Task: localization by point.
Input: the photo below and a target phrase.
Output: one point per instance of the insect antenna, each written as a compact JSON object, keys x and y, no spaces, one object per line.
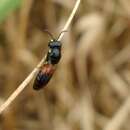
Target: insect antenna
{"x":44,"y":30}
{"x":49,"y":34}
{"x":61,"y":33}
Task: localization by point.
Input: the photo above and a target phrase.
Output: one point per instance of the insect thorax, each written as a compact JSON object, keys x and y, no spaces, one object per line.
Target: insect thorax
{"x":54,"y":53}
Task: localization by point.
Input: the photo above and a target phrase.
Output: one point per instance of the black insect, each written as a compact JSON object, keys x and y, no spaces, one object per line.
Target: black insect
{"x":53,"y":57}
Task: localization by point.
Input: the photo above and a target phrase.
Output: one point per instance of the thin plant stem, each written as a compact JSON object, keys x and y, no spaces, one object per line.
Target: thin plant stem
{"x":70,"y":19}
{"x":32,"y":74}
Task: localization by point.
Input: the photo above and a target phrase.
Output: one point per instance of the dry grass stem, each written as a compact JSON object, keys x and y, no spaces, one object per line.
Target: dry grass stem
{"x":119,"y":86}
{"x":93,"y":27}
{"x":70,"y":19}
{"x":32,"y":74}
{"x":20,"y":87}
{"x":122,"y":114}
{"x":91,"y":85}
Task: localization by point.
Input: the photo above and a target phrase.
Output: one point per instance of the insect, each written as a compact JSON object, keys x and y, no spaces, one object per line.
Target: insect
{"x":47,"y":70}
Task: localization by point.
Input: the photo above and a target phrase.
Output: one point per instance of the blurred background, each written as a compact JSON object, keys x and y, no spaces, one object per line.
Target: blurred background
{"x":90,"y":88}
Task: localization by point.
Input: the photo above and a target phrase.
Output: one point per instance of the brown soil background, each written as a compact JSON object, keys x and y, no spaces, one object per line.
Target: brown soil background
{"x":90,"y":88}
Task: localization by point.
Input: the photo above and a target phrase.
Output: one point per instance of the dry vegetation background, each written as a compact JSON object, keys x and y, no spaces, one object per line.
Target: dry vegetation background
{"x":90,"y":88}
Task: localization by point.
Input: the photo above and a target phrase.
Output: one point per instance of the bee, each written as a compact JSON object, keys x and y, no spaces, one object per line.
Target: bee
{"x":48,"y":68}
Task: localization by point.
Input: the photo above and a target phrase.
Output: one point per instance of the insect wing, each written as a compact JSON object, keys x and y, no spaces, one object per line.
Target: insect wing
{"x":43,"y":77}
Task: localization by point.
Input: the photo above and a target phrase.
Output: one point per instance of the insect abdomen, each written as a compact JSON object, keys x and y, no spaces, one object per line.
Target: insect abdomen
{"x":43,"y":76}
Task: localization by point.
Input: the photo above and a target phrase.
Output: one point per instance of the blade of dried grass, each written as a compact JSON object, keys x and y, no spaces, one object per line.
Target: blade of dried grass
{"x":108,"y":71}
{"x":70,"y":19}
{"x":31,"y":75}
{"x":117,"y":121}
{"x":93,"y":28}
{"x":120,"y":87}
{"x":122,"y":56}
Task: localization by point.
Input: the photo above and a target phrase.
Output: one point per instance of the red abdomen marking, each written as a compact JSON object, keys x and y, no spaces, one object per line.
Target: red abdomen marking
{"x":43,"y":76}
